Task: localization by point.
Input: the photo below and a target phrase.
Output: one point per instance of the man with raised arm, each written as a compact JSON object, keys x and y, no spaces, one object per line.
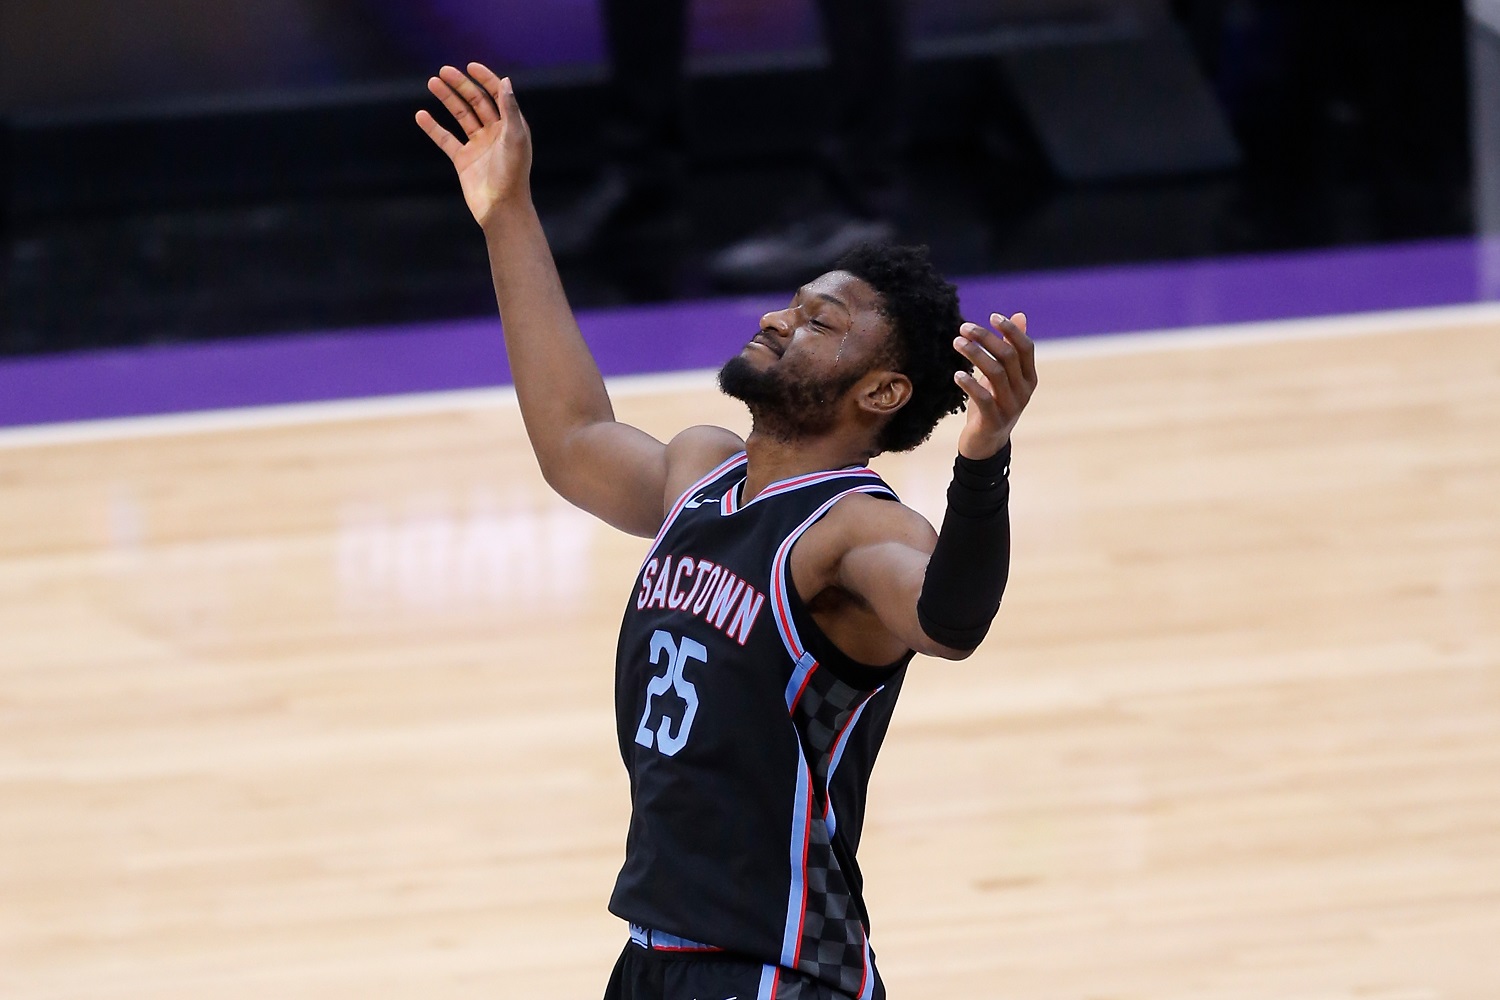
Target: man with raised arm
{"x":769,"y":628}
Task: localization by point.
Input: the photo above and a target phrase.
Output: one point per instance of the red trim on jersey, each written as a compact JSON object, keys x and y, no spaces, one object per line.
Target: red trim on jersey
{"x":783,"y":609}
{"x":853,"y":715}
{"x":864,"y":961}
{"x":687,"y":494}
{"x":812,"y":477}
{"x":798,"y":697}
{"x":780,"y":566}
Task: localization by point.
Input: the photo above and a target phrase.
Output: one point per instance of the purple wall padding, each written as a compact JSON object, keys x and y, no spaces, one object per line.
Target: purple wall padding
{"x":463,"y":354}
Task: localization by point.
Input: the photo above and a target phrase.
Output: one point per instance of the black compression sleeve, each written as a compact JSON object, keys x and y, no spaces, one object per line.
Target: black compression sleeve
{"x":968,"y":569}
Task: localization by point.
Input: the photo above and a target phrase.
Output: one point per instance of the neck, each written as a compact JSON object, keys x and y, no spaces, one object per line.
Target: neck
{"x":770,"y":460}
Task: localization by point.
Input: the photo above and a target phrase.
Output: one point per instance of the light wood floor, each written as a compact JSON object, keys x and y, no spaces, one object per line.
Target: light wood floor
{"x":323,"y":710}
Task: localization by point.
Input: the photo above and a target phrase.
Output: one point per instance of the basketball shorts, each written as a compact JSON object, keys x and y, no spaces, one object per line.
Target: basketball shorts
{"x":681,"y":970}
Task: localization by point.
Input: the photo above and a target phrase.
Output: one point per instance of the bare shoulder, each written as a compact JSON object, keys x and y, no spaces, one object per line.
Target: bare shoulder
{"x":695,"y":452}
{"x":872,"y":530}
{"x":860,"y":521}
{"x":865,"y":519}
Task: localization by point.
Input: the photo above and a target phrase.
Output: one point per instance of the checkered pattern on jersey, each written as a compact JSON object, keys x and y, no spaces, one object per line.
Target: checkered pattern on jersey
{"x":832,"y":948}
{"x":821,"y":714}
{"x":790,"y":986}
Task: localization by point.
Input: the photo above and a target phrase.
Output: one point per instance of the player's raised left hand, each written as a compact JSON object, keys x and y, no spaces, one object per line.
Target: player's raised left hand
{"x":1000,"y":385}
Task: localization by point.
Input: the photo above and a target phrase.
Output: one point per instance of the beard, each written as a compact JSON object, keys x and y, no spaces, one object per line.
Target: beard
{"x":782,"y":407}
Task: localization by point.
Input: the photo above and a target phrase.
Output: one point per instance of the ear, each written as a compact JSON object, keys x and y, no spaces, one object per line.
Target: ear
{"x":884,"y":393}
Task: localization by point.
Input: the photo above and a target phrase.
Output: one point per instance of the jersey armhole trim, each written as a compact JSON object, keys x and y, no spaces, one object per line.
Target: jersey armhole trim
{"x":719,"y":470}
{"x":783,"y":599}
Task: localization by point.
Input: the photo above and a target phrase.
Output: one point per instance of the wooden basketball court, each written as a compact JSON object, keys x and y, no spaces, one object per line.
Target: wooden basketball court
{"x":317,"y":705}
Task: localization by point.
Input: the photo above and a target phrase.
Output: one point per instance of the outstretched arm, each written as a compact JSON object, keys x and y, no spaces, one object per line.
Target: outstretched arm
{"x":610,"y":469}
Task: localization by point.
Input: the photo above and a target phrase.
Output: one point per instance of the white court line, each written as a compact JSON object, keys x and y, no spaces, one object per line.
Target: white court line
{"x":459,"y":400}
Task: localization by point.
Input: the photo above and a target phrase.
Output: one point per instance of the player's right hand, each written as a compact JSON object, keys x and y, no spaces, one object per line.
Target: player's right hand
{"x":494,"y":161}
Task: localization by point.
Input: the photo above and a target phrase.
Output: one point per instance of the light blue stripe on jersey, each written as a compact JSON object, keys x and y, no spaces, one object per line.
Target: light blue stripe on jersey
{"x":661,"y":939}
{"x":780,"y":604}
{"x":799,"y":677}
{"x":648,"y":937}
{"x":792,"y":935}
{"x":869,"y":987}
{"x":682,"y":501}
{"x":838,"y":755}
{"x":767,"y":982}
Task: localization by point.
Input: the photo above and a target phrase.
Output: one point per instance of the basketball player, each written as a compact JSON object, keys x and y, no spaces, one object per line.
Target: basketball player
{"x":786,"y":589}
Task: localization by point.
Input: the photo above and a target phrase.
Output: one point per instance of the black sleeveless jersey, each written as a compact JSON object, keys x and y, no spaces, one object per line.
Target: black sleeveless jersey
{"x":749,"y":738}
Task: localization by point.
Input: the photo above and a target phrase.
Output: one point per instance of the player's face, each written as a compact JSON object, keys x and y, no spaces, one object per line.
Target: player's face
{"x":833,"y":323}
{"x":806,"y":357}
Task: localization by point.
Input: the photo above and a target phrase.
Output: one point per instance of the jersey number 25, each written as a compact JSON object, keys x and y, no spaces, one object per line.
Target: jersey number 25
{"x":676,"y":653}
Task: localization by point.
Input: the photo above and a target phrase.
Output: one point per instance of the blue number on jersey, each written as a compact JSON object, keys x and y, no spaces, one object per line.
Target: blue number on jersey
{"x":677,"y":653}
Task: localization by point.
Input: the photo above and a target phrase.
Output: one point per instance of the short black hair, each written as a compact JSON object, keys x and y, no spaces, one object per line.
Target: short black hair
{"x":922,"y":309}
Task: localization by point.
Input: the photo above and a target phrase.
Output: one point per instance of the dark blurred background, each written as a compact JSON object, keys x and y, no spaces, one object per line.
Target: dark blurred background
{"x":177,"y":171}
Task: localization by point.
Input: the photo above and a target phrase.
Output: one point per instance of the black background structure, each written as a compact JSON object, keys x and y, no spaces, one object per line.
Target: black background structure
{"x":330,"y":210}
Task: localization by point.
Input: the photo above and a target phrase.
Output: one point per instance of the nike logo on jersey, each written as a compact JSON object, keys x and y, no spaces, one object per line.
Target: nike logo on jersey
{"x":702,"y":588}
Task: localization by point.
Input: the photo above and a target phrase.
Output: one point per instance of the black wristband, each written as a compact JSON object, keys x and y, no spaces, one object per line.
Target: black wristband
{"x":980,"y":485}
{"x":983,"y":472}
{"x":967,"y":572}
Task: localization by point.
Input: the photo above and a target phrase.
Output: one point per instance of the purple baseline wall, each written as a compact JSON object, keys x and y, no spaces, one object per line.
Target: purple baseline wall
{"x":348,"y":364}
